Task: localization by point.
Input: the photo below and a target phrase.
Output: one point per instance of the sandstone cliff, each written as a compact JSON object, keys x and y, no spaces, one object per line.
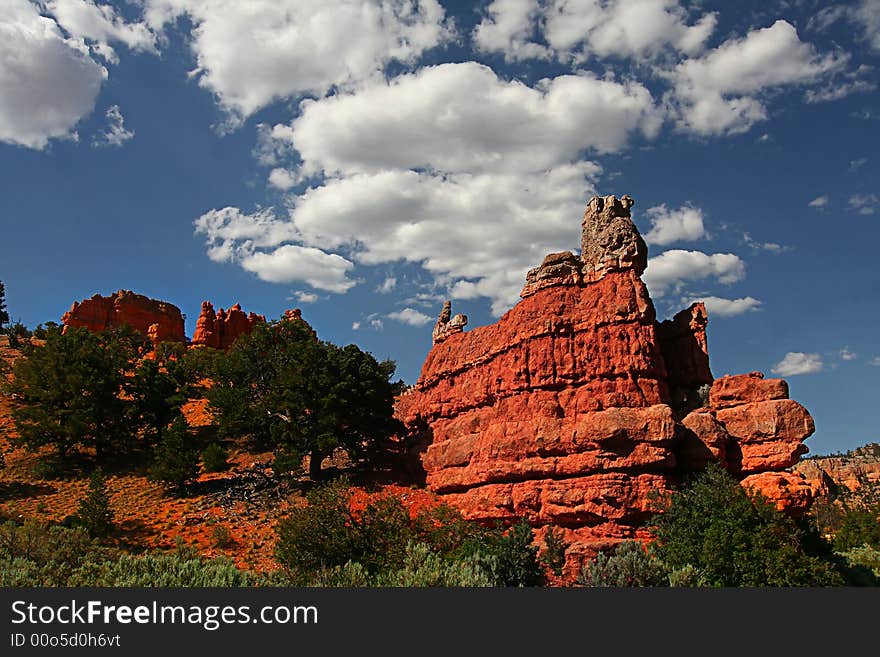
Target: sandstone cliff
{"x":577,"y":407}
{"x":159,"y":320}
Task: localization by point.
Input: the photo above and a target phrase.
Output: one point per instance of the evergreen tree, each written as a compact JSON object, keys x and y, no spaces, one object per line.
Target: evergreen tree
{"x":4,"y":315}
{"x":295,"y":393}
{"x":176,"y":459}
{"x":157,"y":397}
{"x":94,"y":513}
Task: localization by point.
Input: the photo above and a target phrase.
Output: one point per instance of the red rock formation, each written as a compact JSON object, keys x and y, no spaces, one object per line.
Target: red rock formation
{"x":159,"y":320}
{"x":219,"y":330}
{"x":577,"y":407}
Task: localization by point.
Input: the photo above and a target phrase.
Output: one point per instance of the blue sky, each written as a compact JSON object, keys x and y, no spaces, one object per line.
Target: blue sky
{"x":365,"y":160}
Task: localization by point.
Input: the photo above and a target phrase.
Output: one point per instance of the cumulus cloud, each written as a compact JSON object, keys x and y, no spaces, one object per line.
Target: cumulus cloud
{"x":252,"y":53}
{"x":508,"y":27}
{"x":864,"y":204}
{"x":233,"y":236}
{"x":721,"y":307}
{"x":282,"y":179}
{"x":48,"y":82}
{"x":410,"y":316}
{"x":463,"y":117}
{"x":292,"y":263}
{"x":720,"y":92}
{"x":472,"y":177}
{"x":671,"y":269}
{"x":99,"y":26}
{"x":846,"y":354}
{"x":820,"y":202}
{"x":116,"y":134}
{"x":798,"y":362}
{"x":577,"y":30}
{"x":678,"y":225}
{"x":305,"y":297}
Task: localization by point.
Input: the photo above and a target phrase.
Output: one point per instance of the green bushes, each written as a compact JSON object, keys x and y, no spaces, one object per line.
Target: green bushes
{"x":176,"y":459}
{"x":34,"y":554}
{"x":630,"y":564}
{"x":94,"y":513}
{"x":214,"y":458}
{"x":326,"y":543}
{"x":713,"y":525}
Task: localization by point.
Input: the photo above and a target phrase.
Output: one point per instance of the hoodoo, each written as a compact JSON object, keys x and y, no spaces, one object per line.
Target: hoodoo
{"x":219,"y":330}
{"x":159,"y":320}
{"x":578,"y":406}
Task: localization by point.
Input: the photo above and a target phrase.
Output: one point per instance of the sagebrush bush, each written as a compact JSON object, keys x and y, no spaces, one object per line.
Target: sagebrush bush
{"x":321,"y":542}
{"x":162,"y":570}
{"x":630,"y":564}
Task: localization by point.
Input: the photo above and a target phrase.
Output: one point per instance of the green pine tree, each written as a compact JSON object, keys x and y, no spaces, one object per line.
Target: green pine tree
{"x":94,"y":513}
{"x":176,"y":460}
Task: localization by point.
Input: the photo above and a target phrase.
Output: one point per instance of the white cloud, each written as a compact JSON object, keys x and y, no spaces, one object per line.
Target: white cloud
{"x":855,"y":165}
{"x":355,"y":326}
{"x":820,"y":202}
{"x":864,"y":204}
{"x":410,"y":316}
{"x":463,"y":117}
{"x":837,"y":90}
{"x":377,"y":324}
{"x":472,"y":177}
{"x":772,"y":247}
{"x":252,"y":53}
{"x":719,"y":93}
{"x":282,"y":179}
{"x":640,"y":29}
{"x":846,"y":354}
{"x":507,"y":27}
{"x":293,"y":263}
{"x":99,"y":25}
{"x":47,"y":82}
{"x":387,"y":285}
{"x":866,"y":15}
{"x":668,"y":226}
{"x":721,"y":307}
{"x":874,"y":362}
{"x":797,"y":362}
{"x":252,"y":240}
{"x":230,"y":232}
{"x":672,"y":268}
{"x":305,"y":297}
{"x":116,"y":133}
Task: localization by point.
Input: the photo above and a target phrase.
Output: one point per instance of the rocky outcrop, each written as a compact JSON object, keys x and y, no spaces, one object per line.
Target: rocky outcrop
{"x":159,"y":320}
{"x":447,"y":324}
{"x":829,"y":476}
{"x":219,"y":330}
{"x":577,"y":408}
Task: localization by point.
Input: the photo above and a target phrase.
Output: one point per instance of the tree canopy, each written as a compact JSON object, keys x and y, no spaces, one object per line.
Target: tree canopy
{"x":300,"y":395}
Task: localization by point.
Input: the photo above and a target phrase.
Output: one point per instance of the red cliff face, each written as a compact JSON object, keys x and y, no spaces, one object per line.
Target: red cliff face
{"x":159,"y":320}
{"x":219,"y":330}
{"x":577,"y":407}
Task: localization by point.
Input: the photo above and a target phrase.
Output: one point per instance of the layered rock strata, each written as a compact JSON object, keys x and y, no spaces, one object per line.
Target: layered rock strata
{"x":159,"y":320}
{"x":577,"y":408}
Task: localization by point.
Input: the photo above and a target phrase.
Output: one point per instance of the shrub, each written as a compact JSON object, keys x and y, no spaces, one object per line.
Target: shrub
{"x":176,"y":459}
{"x":630,"y":564}
{"x":319,"y":542}
{"x":553,"y":556}
{"x":94,"y":513}
{"x":866,"y":556}
{"x":214,"y":458}
{"x":161,"y":570}
{"x":221,"y":537}
{"x":858,"y":526}
{"x":713,"y":525}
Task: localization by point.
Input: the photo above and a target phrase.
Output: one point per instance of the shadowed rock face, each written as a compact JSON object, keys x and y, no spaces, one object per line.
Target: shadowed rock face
{"x":159,"y":320}
{"x":577,"y":407}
